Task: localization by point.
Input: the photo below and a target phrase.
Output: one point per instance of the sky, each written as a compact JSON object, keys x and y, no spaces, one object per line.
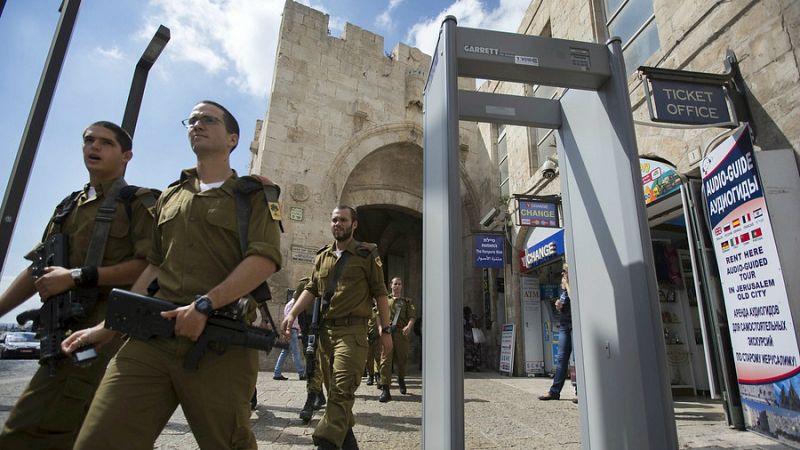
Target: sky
{"x":222,"y":50}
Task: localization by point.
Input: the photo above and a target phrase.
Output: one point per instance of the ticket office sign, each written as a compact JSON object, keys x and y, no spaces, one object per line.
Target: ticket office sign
{"x":760,"y":322}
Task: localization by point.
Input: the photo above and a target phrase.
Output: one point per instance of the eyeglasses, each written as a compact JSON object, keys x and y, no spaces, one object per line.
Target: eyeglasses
{"x":203,"y":119}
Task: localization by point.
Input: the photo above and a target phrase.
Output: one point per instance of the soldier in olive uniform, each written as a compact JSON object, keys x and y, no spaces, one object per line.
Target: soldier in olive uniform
{"x":343,"y":334}
{"x":406,"y":313}
{"x":374,"y":352}
{"x":50,"y":411}
{"x":197,"y":259}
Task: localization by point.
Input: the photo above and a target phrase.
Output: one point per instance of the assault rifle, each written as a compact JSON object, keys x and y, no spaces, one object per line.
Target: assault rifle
{"x":311,"y":336}
{"x":139,"y":316}
{"x":58,"y":312}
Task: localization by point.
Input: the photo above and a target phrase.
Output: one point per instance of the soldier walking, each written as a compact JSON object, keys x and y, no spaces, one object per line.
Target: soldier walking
{"x":51,"y":410}
{"x":347,"y":275}
{"x":403,"y":315}
{"x":200,"y":265}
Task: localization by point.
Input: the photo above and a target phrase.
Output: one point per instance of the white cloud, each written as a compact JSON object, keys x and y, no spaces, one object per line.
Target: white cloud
{"x":384,"y":19}
{"x":113,"y":53}
{"x":470,"y":13}
{"x":236,"y":39}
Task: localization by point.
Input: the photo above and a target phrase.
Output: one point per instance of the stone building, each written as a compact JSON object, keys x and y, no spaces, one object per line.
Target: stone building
{"x":344,"y":126}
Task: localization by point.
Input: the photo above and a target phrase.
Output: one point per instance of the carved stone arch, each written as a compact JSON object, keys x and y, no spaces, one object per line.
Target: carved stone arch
{"x":363,"y":144}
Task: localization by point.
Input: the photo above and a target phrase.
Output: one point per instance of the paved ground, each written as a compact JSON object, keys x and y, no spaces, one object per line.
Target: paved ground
{"x":500,"y":413}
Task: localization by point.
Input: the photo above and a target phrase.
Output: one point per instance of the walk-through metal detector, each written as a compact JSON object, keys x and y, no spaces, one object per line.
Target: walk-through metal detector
{"x":625,"y":402}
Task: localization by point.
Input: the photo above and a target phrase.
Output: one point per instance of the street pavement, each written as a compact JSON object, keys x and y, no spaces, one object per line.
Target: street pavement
{"x":499,"y":413}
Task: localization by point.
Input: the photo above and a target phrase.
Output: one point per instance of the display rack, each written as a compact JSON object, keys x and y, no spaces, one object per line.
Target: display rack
{"x":679,"y":343}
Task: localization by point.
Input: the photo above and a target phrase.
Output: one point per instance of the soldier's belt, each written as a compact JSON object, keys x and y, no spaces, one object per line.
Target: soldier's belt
{"x":345,"y":321}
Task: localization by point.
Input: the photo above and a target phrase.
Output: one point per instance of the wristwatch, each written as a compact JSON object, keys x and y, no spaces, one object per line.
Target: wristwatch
{"x":388,"y":329}
{"x":203,"y":304}
{"x":77,"y":275}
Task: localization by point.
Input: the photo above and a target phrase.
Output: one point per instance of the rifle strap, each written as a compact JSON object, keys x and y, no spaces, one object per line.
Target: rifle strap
{"x":400,"y":303}
{"x":102,"y":224}
{"x":338,"y":268}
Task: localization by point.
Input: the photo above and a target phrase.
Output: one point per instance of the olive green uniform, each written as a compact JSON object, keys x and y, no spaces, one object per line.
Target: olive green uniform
{"x":195,"y":246}
{"x":49,"y":413}
{"x":399,"y":354}
{"x":374,"y":351}
{"x":343,"y":335}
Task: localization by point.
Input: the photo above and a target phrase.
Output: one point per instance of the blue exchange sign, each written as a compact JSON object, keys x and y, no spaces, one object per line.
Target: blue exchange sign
{"x":537,"y":213}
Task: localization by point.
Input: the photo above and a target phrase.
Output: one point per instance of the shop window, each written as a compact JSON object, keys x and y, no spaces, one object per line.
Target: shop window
{"x":634,"y":22}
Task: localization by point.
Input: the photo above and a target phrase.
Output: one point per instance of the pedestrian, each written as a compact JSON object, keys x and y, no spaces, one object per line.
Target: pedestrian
{"x":343,"y":333}
{"x":50,"y":411}
{"x":403,"y":314}
{"x":293,"y":347}
{"x":564,"y":307}
{"x":200,"y":267}
{"x":472,"y":349}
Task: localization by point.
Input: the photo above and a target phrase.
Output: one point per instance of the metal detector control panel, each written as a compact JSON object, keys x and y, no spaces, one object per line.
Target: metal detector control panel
{"x":534,"y":59}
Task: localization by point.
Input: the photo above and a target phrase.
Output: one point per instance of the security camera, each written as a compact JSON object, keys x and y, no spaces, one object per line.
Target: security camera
{"x":548,"y":169}
{"x":489,"y":217}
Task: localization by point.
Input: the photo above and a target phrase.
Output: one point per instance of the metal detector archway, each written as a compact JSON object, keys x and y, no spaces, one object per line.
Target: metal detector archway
{"x":620,"y":355}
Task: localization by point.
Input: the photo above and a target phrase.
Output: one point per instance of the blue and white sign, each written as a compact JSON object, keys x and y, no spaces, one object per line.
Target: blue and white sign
{"x":544,"y":251}
{"x":489,"y":250}
{"x":759,"y":317}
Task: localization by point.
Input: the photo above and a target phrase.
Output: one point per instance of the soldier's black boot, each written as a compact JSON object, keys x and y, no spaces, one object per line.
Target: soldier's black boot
{"x":319,"y":402}
{"x":402,"y":383}
{"x":370,"y":380}
{"x":385,"y":395}
{"x":308,"y":409}
{"x":350,"y":441}
{"x":324,"y":444}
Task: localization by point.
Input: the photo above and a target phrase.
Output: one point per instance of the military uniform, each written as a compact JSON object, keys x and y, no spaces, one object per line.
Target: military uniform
{"x":374,"y":352}
{"x":195,"y":246}
{"x":399,"y":354}
{"x":343,"y":335}
{"x":49,"y":413}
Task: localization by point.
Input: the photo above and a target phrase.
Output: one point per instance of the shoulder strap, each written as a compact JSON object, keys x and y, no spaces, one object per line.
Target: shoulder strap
{"x":102,"y":224}
{"x":146,"y":196}
{"x":398,"y":310}
{"x":62,"y":211}
{"x":338,"y":268}
{"x":244,"y":187}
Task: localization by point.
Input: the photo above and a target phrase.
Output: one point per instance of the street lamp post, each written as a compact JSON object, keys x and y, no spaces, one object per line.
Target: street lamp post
{"x":151,"y":53}
{"x":26,"y":153}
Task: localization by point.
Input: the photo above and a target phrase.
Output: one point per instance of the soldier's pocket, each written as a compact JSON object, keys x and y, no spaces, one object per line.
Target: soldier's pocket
{"x":223,"y":218}
{"x":69,"y":408}
{"x":166,"y":215}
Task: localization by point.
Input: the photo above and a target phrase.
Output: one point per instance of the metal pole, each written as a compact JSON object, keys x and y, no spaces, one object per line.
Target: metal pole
{"x":443,"y":346}
{"x":33,"y":129}
{"x":151,"y":53}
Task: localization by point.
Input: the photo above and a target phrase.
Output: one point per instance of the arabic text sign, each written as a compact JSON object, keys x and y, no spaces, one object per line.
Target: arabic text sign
{"x":489,"y":251}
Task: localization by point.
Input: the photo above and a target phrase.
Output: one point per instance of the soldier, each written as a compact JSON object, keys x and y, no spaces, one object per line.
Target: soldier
{"x":200,"y":266}
{"x":50,"y":411}
{"x":403,"y":317}
{"x":349,"y":274}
